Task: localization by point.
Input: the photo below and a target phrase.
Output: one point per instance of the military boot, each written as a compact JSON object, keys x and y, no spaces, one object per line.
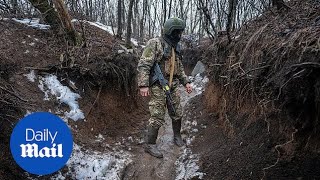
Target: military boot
{"x":151,"y":138}
{"x":176,"y":126}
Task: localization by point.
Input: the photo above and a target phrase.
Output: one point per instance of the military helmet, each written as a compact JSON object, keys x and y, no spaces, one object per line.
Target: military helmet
{"x":172,"y":24}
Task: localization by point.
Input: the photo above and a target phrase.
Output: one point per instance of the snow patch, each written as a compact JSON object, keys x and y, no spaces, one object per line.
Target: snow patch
{"x":134,"y":42}
{"x":199,"y":83}
{"x":63,"y":94}
{"x":186,"y":166}
{"x":100,"y":138}
{"x":102,"y":26}
{"x":95,"y":165}
{"x":34,"y":22}
{"x":31,"y":76}
{"x":108,"y":29}
{"x":41,"y":87}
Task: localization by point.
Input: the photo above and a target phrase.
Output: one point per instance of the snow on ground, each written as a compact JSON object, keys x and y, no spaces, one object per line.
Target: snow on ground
{"x":186,"y":164}
{"x":134,"y":42}
{"x":198,"y":84}
{"x":102,"y":26}
{"x":31,"y":76}
{"x":95,"y":165}
{"x":34,"y":22}
{"x":64,"y":95}
{"x":83,"y":164}
{"x":50,"y":85}
{"x":108,"y":29}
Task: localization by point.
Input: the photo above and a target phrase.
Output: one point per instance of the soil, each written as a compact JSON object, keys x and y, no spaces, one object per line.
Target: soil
{"x":262,"y":121}
{"x":235,"y":138}
{"x":248,"y":151}
{"x":145,"y":166}
{"x":110,"y":111}
{"x":24,"y":48}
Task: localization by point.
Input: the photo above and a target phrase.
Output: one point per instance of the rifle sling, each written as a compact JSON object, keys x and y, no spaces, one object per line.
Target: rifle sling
{"x":172,"y":62}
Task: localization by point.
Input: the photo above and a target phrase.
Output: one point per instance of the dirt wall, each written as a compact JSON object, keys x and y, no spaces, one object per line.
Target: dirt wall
{"x":264,"y":94}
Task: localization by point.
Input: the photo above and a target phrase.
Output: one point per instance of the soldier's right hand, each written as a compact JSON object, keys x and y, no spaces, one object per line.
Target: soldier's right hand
{"x":144,"y":91}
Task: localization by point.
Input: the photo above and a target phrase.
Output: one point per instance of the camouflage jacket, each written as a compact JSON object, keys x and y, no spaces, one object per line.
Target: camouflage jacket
{"x":160,"y":51}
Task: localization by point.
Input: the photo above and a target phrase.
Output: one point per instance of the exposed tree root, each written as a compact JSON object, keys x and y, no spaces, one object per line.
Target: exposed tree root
{"x":277,"y":147}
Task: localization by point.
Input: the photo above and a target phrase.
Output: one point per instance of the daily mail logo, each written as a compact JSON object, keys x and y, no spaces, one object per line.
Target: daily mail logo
{"x":32,"y":150}
{"x":41,"y":143}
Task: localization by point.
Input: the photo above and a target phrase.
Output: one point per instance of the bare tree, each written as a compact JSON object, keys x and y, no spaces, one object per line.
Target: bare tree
{"x":181,"y":8}
{"x":279,"y":4}
{"x":59,"y":19}
{"x":128,"y":35}
{"x":164,"y":9}
{"x":231,"y":17}
{"x":14,"y":9}
{"x":66,"y":23}
{"x":202,"y":16}
{"x":136,"y":20}
{"x":208,"y":19}
{"x":143,"y":20}
{"x":170,"y":6}
{"x":49,"y":14}
{"x":119,"y":31}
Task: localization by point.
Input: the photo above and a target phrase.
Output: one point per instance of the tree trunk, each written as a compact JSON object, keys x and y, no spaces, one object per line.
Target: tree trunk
{"x":49,"y":14}
{"x":128,"y":37}
{"x":123,"y":21}
{"x":119,"y":31}
{"x":231,"y":18}
{"x":87,"y":8}
{"x":279,"y":4}
{"x":58,"y":20}
{"x":143,"y":20}
{"x":170,"y":7}
{"x":14,"y":9}
{"x":181,"y":9}
{"x":135,"y":21}
{"x":208,"y":19}
{"x":66,"y":23}
{"x":103,"y":12}
{"x":164,"y":9}
{"x":149,"y":20}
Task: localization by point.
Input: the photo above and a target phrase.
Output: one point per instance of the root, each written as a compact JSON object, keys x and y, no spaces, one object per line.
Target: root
{"x":253,"y":39}
{"x":13,"y":93}
{"x":279,"y":153}
{"x":95,"y":101}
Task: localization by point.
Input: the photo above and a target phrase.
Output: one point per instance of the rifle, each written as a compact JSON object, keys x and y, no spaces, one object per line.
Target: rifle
{"x":158,"y":76}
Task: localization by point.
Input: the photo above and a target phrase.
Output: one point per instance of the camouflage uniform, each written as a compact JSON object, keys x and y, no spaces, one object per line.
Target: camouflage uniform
{"x":158,"y":50}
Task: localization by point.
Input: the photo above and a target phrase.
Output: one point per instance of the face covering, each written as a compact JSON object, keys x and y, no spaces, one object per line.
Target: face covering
{"x":174,"y":37}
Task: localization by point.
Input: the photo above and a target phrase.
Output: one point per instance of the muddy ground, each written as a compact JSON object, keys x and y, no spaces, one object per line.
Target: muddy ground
{"x":111,"y":113}
{"x":226,"y":142}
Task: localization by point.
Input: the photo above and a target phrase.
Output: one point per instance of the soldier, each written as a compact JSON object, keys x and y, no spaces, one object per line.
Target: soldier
{"x":161,"y":50}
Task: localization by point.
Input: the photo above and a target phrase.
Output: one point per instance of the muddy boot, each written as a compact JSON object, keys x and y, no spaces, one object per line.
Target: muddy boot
{"x":151,"y":138}
{"x":176,"y":126}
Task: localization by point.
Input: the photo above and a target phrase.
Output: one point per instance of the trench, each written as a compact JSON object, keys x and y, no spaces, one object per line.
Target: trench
{"x":177,"y":163}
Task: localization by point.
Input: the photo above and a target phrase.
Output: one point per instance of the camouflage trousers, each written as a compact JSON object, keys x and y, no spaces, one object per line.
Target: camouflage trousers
{"x":157,"y":106}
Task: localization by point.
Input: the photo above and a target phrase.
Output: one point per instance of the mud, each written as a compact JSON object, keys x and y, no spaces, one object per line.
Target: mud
{"x":177,"y":163}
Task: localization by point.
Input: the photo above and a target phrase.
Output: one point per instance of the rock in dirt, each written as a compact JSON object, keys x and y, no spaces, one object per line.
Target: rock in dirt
{"x":198,"y":69}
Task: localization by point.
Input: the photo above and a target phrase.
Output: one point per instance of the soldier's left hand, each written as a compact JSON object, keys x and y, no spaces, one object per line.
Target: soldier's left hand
{"x":188,"y":88}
